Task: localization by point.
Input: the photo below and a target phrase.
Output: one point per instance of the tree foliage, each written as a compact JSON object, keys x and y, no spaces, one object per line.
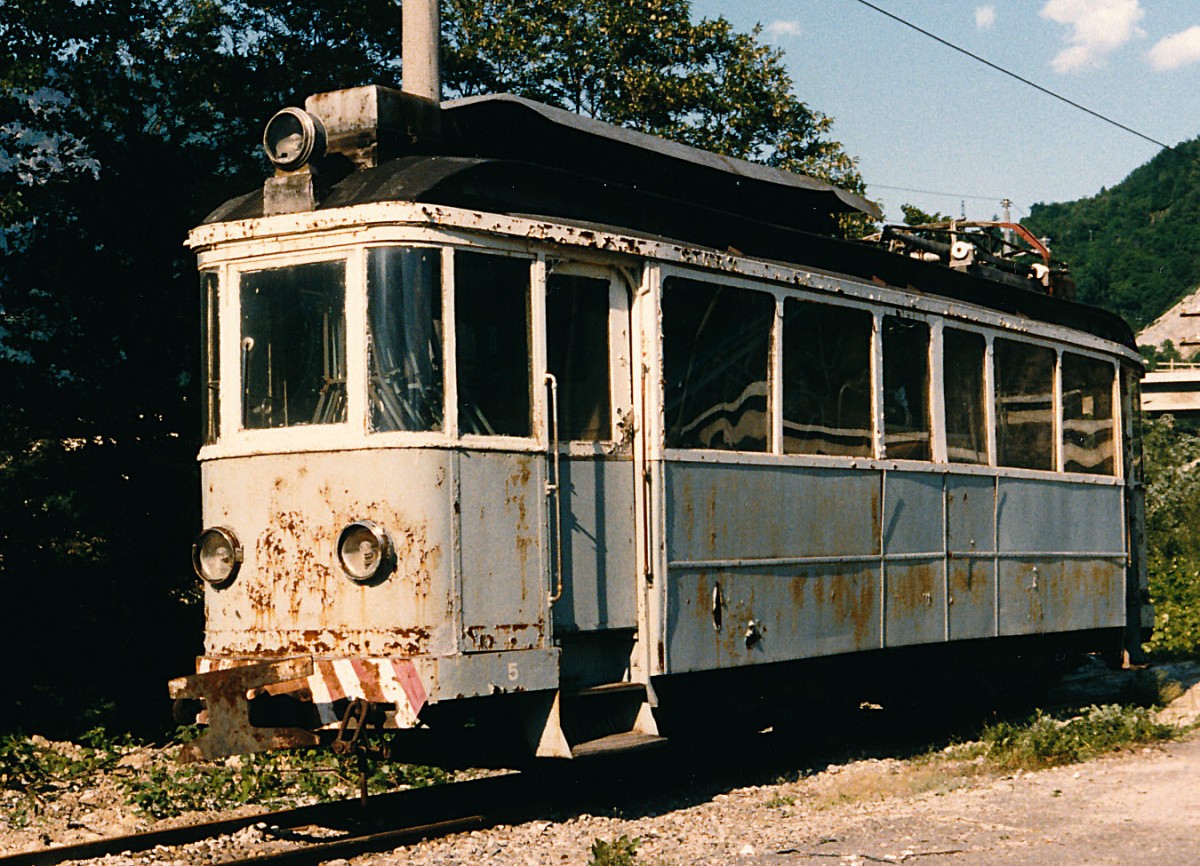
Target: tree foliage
{"x":122,"y":123}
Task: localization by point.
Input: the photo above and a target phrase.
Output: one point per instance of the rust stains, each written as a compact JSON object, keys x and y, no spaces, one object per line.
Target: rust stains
{"x":505,"y":636}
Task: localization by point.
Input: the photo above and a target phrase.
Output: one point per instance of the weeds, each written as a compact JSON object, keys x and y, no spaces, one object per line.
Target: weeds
{"x":1045,"y":741}
{"x":619,"y":852}
{"x":273,"y":779}
{"x":35,"y":768}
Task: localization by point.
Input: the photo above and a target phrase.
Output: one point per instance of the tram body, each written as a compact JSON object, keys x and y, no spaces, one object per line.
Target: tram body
{"x":519,"y":450}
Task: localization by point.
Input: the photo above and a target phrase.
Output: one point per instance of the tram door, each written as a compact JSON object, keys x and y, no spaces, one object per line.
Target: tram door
{"x":588,"y":354}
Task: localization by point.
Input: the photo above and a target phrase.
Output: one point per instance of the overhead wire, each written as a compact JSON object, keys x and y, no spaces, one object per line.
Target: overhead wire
{"x":1026,"y":81}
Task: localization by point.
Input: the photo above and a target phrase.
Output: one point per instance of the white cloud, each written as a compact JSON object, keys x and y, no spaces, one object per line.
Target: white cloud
{"x":1098,"y":27}
{"x":985,"y":17}
{"x":783,"y":29}
{"x":1175,"y":51}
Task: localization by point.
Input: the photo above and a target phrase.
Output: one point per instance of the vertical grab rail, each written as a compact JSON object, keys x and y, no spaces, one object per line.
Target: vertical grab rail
{"x":554,"y":489}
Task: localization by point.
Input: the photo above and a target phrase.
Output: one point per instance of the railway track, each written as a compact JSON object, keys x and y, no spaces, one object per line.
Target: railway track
{"x":345,"y":828}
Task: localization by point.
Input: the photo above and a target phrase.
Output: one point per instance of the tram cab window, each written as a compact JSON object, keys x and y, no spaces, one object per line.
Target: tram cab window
{"x":577,"y":355}
{"x":1024,"y":405}
{"x":210,"y":343}
{"x":1087,"y":401}
{"x":404,"y":346}
{"x":491,"y":323}
{"x":293,"y":346}
{"x":906,"y":389}
{"x":826,"y":379}
{"x":716,"y":345}
{"x":964,"y":355}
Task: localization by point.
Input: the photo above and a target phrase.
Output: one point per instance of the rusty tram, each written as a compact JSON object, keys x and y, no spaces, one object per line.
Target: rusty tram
{"x":529,"y":428}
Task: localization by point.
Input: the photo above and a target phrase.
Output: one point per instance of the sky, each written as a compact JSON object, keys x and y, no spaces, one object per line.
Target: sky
{"x":936,"y":129}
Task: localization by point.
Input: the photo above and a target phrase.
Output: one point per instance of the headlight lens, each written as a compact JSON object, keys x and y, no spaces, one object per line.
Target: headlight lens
{"x":365,"y":551}
{"x":217,"y":555}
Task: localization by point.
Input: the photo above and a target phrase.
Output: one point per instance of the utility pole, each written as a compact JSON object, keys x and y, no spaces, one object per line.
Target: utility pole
{"x":1006,"y":203}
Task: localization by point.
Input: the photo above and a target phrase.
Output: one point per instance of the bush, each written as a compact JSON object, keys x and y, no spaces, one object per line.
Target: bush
{"x":1045,"y":741}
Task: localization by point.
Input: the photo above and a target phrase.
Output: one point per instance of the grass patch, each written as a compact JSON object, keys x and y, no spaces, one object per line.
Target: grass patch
{"x":274,"y":779}
{"x":1045,"y":741}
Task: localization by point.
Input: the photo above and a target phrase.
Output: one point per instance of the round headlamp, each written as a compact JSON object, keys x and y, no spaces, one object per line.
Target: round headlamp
{"x":216,"y":555}
{"x":365,"y":551}
{"x":292,"y":138}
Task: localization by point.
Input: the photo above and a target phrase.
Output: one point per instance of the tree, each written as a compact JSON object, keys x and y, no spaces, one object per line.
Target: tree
{"x":124,"y":123}
{"x":914,"y":216}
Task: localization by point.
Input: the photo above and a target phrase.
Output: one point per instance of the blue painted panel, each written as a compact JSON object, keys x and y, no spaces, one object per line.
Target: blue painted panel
{"x":723,"y":511}
{"x":599,"y":562}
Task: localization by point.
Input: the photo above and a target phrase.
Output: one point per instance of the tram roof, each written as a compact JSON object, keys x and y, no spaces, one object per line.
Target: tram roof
{"x":505,"y":154}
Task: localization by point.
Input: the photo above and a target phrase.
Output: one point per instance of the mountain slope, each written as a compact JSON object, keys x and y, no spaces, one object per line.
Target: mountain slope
{"x":1135,"y":248}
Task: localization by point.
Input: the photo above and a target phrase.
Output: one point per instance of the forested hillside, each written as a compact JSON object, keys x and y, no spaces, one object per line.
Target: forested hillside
{"x":1134,"y":248}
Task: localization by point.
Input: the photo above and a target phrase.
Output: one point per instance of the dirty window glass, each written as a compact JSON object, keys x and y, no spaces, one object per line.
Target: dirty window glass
{"x":963,"y":359}
{"x":210,"y":343}
{"x":577,"y":354}
{"x":293,"y":346}
{"x":404,"y":346}
{"x":906,"y":389}
{"x":826,"y":380}
{"x":1024,"y":405}
{"x":491,"y":321}
{"x":716,"y":343}
{"x":1087,"y":433}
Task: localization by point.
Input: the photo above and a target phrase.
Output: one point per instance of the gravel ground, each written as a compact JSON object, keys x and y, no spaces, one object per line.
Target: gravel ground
{"x":1137,"y":806}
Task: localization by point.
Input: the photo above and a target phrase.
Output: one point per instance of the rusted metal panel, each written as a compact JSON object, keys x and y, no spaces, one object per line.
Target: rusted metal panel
{"x":1037,"y":515}
{"x":771,"y":615}
{"x":224,"y":693}
{"x":504,"y":580}
{"x":971,"y":601}
{"x":915,"y":601}
{"x":914,"y":569}
{"x":290,"y":596}
{"x":729,"y":511}
{"x":599,"y":562}
{"x":913,"y":513}
{"x":970,"y":556}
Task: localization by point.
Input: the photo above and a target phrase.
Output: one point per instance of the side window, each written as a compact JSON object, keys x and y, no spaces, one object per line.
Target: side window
{"x":1087,"y":433}
{"x":577,"y":355}
{"x":826,"y":379}
{"x":906,"y":389}
{"x":491,"y":323}
{"x":210,"y":345}
{"x":963,"y":359}
{"x":404,"y":338}
{"x":1024,"y":405}
{"x":293,"y":346}
{"x":716,"y":347}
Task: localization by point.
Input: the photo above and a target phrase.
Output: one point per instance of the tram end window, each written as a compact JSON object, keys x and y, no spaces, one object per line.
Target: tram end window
{"x":964,"y":356}
{"x":1088,"y":439}
{"x":293,"y":345}
{"x":716,"y":351}
{"x":577,"y":354}
{"x":492,"y":335}
{"x":210,"y":346}
{"x":404,"y":339}
{"x":1024,"y":404}
{"x":906,"y":427}
{"x":827,"y":380}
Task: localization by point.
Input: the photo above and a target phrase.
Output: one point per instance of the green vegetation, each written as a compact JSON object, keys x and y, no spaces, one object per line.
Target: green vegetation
{"x":618,"y":852}
{"x":1172,"y":473}
{"x":274,"y":779}
{"x":1135,"y":248}
{"x":35,"y":772}
{"x":1045,"y":741}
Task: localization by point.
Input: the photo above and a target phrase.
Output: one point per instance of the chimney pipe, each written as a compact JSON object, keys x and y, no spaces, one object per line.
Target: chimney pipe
{"x":421,"y":36}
